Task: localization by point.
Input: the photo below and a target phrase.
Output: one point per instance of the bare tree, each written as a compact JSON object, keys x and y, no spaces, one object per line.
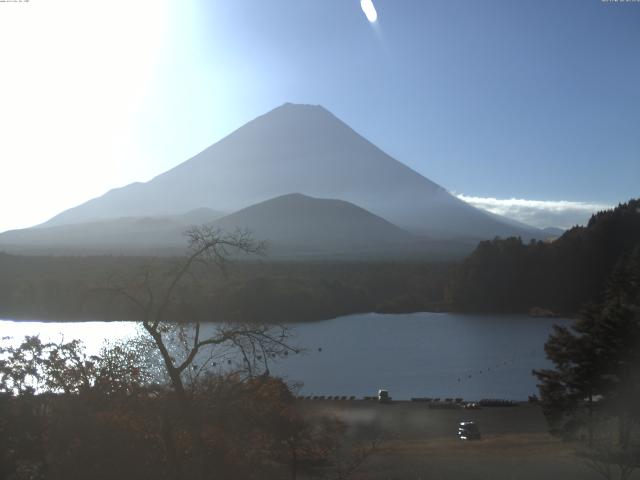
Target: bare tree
{"x":172,"y":323}
{"x":177,"y":329}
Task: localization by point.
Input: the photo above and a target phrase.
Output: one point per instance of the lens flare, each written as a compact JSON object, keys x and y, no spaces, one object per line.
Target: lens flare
{"x":369,"y":10}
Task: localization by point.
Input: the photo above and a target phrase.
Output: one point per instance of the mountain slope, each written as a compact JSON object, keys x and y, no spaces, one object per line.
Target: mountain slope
{"x":298,"y":148}
{"x":119,"y":235}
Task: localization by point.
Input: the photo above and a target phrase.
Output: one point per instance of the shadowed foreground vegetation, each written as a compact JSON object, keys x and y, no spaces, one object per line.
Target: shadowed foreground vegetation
{"x":593,"y":391}
{"x":66,"y":416}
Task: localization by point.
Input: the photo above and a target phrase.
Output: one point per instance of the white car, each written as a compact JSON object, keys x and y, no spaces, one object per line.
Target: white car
{"x":468,"y":431}
{"x":383,"y":396}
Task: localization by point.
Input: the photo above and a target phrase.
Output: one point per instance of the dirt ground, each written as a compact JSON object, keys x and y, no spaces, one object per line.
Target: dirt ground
{"x":418,"y":443}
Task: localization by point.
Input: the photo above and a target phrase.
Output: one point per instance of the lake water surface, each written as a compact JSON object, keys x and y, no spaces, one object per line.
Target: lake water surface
{"x":412,"y":355}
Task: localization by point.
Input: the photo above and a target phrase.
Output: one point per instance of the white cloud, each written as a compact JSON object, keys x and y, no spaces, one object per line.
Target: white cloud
{"x":538,"y":213}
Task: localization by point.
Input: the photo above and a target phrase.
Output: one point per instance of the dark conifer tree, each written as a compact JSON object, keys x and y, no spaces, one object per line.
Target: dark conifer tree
{"x":597,"y":360}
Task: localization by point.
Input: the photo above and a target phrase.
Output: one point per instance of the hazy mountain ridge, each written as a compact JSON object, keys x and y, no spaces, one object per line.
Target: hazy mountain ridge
{"x":118,"y":235}
{"x":293,"y":226}
{"x":306,"y":149}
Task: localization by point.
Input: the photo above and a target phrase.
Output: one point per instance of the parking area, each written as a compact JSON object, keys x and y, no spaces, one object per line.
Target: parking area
{"x":418,"y":442}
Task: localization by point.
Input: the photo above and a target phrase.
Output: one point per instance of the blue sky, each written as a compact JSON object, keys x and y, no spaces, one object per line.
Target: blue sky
{"x":503,"y":102}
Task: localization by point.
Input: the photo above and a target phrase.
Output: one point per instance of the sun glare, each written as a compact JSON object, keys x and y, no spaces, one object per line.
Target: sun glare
{"x":369,"y":10}
{"x":75,"y":75}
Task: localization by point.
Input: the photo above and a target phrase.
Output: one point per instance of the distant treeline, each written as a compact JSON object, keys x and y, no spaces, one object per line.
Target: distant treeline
{"x":78,"y":288}
{"x":507,"y":275}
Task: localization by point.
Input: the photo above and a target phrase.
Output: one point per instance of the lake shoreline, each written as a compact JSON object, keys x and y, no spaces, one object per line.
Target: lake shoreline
{"x":554,"y":315}
{"x":412,"y":355}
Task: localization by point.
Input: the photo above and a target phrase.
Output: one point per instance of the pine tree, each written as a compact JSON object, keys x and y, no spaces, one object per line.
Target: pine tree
{"x":595,"y":385}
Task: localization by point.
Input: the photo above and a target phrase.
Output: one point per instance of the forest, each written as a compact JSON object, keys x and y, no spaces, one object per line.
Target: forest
{"x":508,"y":275}
{"x":76,"y":288}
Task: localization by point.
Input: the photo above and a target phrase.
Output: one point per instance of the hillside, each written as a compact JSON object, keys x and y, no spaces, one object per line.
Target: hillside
{"x":296,"y":224}
{"x":138,"y":235}
{"x":511,"y":276}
